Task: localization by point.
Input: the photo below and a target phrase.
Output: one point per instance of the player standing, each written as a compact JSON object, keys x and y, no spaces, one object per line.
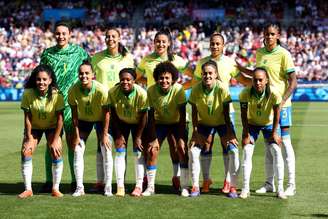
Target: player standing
{"x":280,"y":66}
{"x":107,"y":64}
{"x":163,"y":52}
{"x":227,"y":69}
{"x":43,"y":107}
{"x":167,"y":116}
{"x":260,"y":112}
{"x":88,"y":101}
{"x":129,"y":106}
{"x":210,"y":101}
{"x":64,"y":59}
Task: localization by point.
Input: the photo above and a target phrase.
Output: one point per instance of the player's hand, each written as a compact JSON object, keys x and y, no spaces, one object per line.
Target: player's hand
{"x":56,"y":148}
{"x":246,"y":139}
{"x":105,"y":141}
{"x":75,"y":141}
{"x":233,"y":141}
{"x":275,"y":138}
{"x":153,"y":146}
{"x":182,"y":145}
{"x":138,"y":143}
{"x":120,"y":141}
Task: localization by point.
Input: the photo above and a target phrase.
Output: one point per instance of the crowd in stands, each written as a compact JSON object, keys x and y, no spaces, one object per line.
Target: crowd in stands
{"x":23,"y":34}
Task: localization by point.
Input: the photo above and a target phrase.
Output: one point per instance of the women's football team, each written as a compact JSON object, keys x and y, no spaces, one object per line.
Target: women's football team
{"x":111,"y":97}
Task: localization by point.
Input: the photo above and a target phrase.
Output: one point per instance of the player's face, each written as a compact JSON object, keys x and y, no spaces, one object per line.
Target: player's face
{"x":260,"y":81}
{"x":62,"y":35}
{"x":112,"y":39}
{"x":165,"y":81}
{"x":86,"y":76}
{"x":209,"y":76}
{"x":216,"y":46}
{"x":42,"y":82}
{"x":161,"y":44}
{"x":126,"y":82}
{"x":271,"y":35}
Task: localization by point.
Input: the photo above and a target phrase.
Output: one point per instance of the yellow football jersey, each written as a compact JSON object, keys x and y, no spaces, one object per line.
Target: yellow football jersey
{"x":89,"y":104}
{"x":166,"y":105}
{"x":210,"y":104}
{"x":43,"y":110}
{"x":128,"y":107}
{"x":260,"y":108}
{"x":279,"y":64}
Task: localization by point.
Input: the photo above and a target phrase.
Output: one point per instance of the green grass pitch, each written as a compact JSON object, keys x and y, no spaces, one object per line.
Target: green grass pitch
{"x":310,"y":141}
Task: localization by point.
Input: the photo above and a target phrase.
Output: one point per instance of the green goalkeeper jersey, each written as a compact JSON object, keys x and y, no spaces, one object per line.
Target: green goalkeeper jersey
{"x":65,"y":63}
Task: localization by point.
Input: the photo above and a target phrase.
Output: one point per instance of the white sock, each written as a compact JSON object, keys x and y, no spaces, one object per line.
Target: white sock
{"x":269,"y":165}
{"x":233,"y":164}
{"x":205,"y":163}
{"x":27,"y":170}
{"x":151,"y":175}
{"x":290,"y":158}
{"x":79,"y":163}
{"x":194,"y":165}
{"x":278,"y":164}
{"x":99,"y":166}
{"x":120,"y":166}
{"x":225,"y":157}
{"x":176,"y":169}
{"x":57,"y":171}
{"x":247,"y":165}
{"x":139,"y":167}
{"x":184,"y":178}
{"x":107,"y":166}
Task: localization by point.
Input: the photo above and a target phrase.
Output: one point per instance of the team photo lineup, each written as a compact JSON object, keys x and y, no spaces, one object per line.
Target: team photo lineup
{"x":70,"y":93}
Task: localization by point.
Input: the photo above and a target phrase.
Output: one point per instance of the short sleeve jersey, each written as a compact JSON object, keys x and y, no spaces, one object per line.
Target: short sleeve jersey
{"x":227,"y":69}
{"x":279,"y":64}
{"x":260,"y":108}
{"x":65,"y":63}
{"x":148,"y":64}
{"x":43,"y":110}
{"x":210,"y":104}
{"x":128,"y":107}
{"x":89,"y":103}
{"x":166,"y":105}
{"x":107,"y":67}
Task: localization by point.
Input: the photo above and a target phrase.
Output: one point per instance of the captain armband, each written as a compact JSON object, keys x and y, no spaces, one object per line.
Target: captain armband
{"x":243,"y":105}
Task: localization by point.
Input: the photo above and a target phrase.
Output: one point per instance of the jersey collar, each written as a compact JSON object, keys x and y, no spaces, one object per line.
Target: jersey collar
{"x":112,"y":56}
{"x":164,"y":58}
{"x":87,"y":92}
{"x":161,"y":91}
{"x":274,"y":49}
{"x":256,"y":95}
{"x":131,"y":94}
{"x":37,"y":93}
{"x":211,"y":91}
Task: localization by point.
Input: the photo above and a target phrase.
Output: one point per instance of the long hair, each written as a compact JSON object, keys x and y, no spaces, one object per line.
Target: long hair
{"x":31,"y":82}
{"x":121,"y":49}
{"x":166,"y":32}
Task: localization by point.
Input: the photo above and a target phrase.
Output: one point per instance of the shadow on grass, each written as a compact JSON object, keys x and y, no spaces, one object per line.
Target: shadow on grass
{"x":318,"y":215}
{"x":16,"y":188}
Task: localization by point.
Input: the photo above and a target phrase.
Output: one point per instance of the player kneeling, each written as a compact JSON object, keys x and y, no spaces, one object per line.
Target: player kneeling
{"x":43,"y":107}
{"x":260,"y":112}
{"x":210,"y":114}
{"x":88,"y":101}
